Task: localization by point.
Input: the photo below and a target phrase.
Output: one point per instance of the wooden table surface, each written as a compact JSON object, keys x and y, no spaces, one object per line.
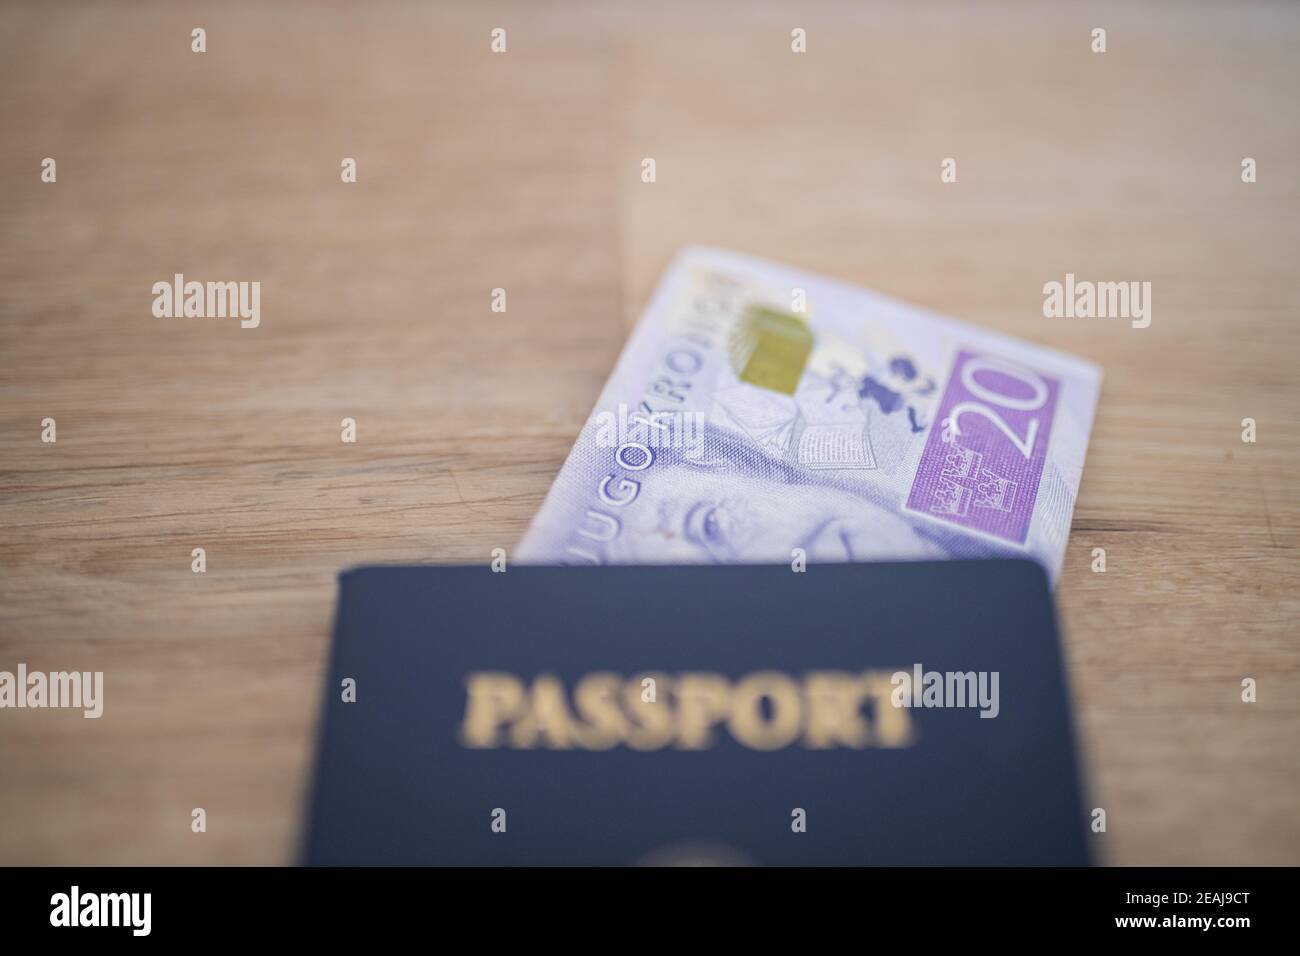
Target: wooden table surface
{"x":522,"y":171}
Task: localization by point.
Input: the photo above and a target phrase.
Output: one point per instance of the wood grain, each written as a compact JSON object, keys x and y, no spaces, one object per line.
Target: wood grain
{"x":522,"y":171}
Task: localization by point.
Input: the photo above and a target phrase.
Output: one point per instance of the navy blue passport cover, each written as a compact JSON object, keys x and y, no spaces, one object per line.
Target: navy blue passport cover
{"x":406,"y":775}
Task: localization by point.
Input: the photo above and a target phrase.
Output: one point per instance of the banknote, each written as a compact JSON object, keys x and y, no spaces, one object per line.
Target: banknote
{"x":760,"y":414}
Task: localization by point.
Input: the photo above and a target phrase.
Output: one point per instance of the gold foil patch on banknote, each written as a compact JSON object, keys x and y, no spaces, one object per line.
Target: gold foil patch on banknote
{"x":770,"y":349}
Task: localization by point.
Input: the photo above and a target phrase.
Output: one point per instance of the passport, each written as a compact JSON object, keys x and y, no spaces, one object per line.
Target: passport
{"x":909,"y":713}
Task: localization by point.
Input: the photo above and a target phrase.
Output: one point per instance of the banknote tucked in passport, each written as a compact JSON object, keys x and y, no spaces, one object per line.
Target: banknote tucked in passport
{"x":763,"y":415}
